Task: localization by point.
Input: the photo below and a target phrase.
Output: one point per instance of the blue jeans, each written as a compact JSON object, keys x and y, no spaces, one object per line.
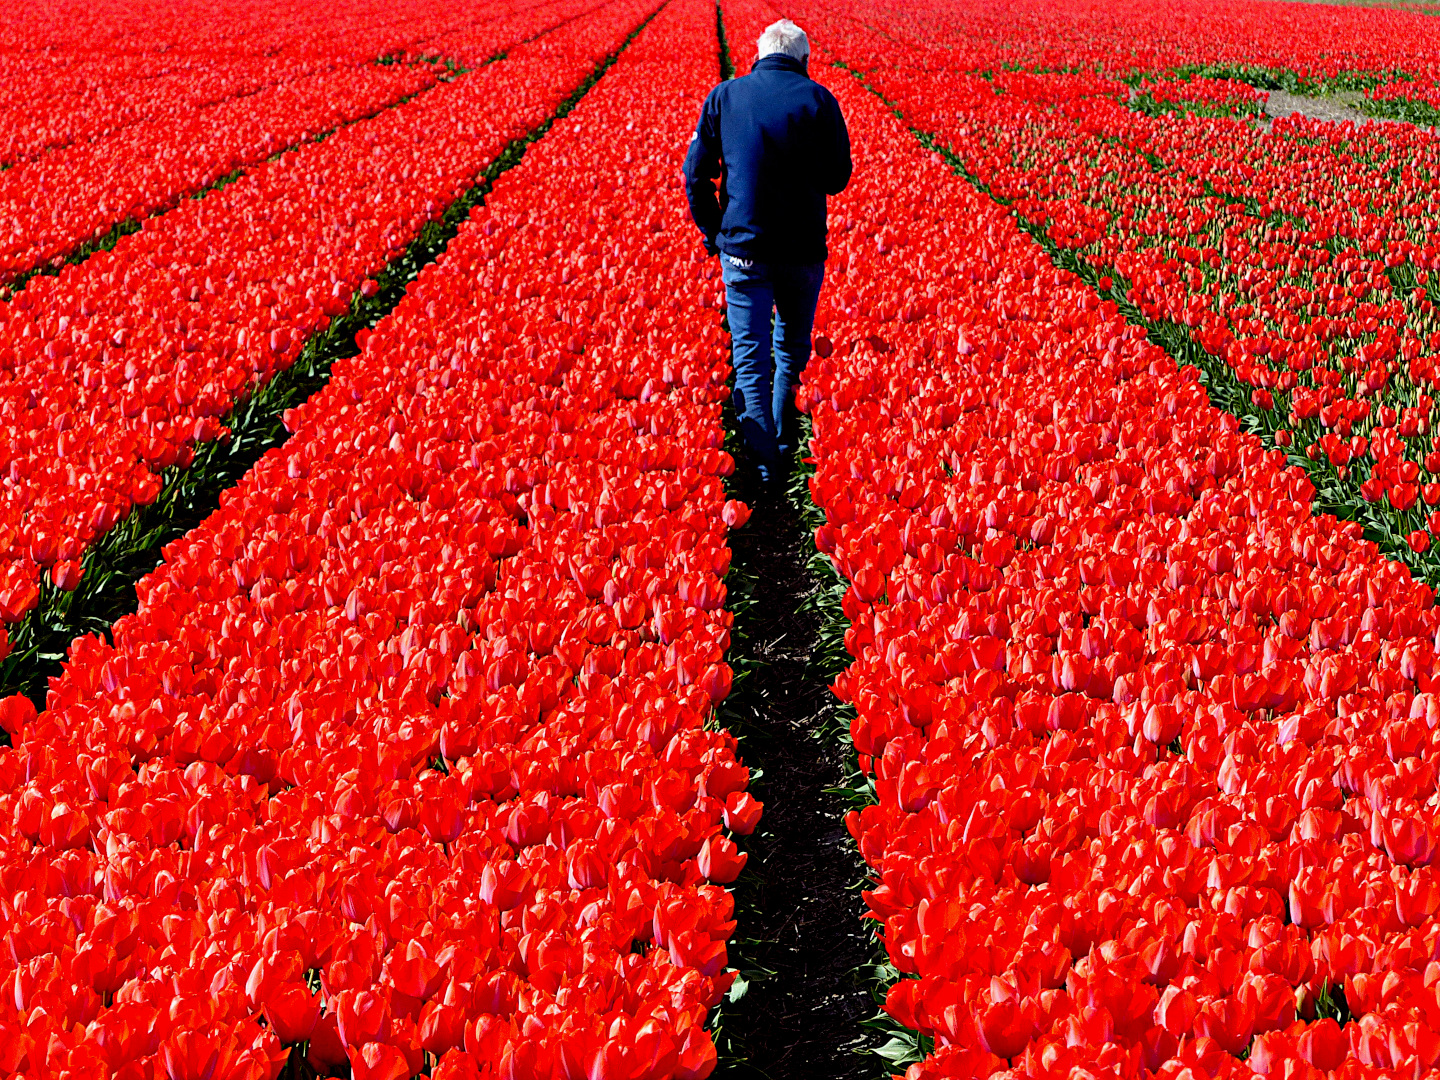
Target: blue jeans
{"x":768,"y":360}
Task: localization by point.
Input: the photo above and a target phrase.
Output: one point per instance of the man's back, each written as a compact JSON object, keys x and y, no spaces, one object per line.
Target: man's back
{"x":783,"y":147}
{"x":777,"y":143}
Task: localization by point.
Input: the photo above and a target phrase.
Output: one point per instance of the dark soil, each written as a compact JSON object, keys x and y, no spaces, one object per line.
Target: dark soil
{"x":801,"y":941}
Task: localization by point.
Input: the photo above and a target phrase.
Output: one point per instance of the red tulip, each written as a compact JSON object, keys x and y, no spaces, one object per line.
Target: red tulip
{"x":697,"y":1055}
{"x":362,"y":1017}
{"x":1228,"y":1021}
{"x":1404,"y":839}
{"x":66,"y":575}
{"x":415,"y":975}
{"x":292,"y":1012}
{"x":503,"y":884}
{"x":190,"y":1055}
{"x":735,"y":513}
{"x":742,"y":812}
{"x":16,"y":711}
{"x":1061,"y":560}
{"x":326,"y":1051}
{"x":720,"y":861}
{"x":459,"y":604}
{"x":587,"y":869}
{"x":269,"y":974}
{"x":716,"y":682}
{"x":442,"y":1028}
{"x":1323,"y":1045}
{"x":1005,"y":1029}
{"x":456,"y":1066}
{"x":379,"y":1061}
{"x":64,"y":827}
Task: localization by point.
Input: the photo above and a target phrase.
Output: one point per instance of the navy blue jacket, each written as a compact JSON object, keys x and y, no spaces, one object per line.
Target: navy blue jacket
{"x":776,"y":141}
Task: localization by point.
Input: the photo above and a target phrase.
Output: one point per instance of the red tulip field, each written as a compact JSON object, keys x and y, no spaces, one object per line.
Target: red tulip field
{"x":398,"y":681}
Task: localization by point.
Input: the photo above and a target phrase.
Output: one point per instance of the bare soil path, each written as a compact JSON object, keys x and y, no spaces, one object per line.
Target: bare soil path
{"x":801,"y":926}
{"x":1336,"y":108}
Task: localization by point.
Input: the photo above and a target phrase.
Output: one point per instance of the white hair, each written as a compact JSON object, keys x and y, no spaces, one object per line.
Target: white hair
{"x":786,"y":38}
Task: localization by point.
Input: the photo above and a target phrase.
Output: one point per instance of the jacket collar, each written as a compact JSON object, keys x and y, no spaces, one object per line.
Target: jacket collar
{"x":779,"y":62}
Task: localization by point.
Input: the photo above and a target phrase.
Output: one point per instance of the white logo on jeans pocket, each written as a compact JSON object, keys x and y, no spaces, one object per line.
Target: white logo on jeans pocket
{"x":744,"y":264}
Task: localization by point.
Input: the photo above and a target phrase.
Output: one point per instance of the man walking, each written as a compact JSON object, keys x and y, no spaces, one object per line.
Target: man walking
{"x":777,"y":143}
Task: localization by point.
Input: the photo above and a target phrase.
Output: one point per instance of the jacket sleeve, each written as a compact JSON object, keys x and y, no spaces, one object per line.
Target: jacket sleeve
{"x":702,"y":169}
{"x":835,"y":174}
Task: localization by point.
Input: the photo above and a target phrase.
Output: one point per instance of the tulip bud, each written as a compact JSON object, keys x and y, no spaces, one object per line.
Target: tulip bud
{"x":587,"y":870}
{"x":1032,"y":862}
{"x":16,"y":711}
{"x":720,"y":861}
{"x":735,"y":513}
{"x":379,"y":1061}
{"x":292,"y":1012}
{"x":742,"y":812}
{"x":1324,"y":1045}
{"x":1176,"y":1010}
{"x":1067,"y":713}
{"x":442,"y":1029}
{"x":66,"y":575}
{"x":1005,"y":1029}
{"x":1162,"y":724}
{"x":716,"y":681}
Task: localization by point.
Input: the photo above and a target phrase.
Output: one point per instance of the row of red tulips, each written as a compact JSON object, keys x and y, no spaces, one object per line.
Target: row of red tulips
{"x":48,"y":107}
{"x":1407,"y":99}
{"x":1318,"y":45}
{"x":404,"y":757}
{"x":121,"y":364}
{"x":477,"y":42}
{"x":111,"y":66}
{"x":1152,"y":743}
{"x":62,"y":199}
{"x":1215,"y":97}
{"x":1310,"y":300}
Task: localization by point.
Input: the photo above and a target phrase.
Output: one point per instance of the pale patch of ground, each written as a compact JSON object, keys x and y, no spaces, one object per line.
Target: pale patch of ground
{"x":1337,"y":107}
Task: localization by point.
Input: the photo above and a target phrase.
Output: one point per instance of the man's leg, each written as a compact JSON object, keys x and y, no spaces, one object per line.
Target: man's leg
{"x":750,"y":298}
{"x":797,"y":290}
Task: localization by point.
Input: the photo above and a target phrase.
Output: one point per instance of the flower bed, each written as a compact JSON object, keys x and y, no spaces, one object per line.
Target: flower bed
{"x":1151,"y":742}
{"x":93,"y":72}
{"x":123,"y":363}
{"x":405,"y":752}
{"x":1248,"y":251}
{"x":61,"y":200}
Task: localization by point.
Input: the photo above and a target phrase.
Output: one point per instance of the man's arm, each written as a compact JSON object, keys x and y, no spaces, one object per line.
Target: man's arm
{"x":835,"y":174}
{"x":702,"y":169}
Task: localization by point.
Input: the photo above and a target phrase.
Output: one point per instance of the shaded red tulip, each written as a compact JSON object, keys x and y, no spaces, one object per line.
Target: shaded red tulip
{"x":1323,"y":1044}
{"x":292,"y":1012}
{"x":378,"y":1061}
{"x":1005,"y":1029}
{"x":194,"y":1055}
